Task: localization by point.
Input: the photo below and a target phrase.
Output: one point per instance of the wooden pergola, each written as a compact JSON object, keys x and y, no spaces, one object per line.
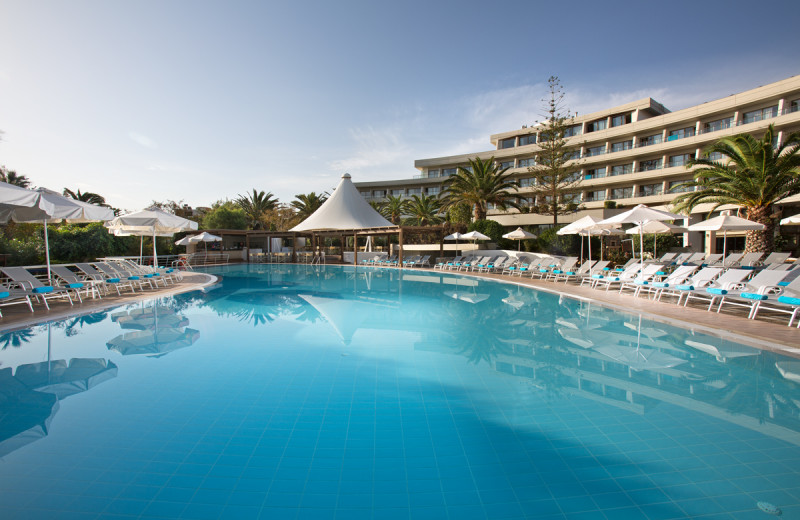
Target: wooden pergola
{"x":401,"y":231}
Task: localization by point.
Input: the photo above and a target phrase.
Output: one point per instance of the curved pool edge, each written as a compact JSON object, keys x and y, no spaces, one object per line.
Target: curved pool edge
{"x":192,"y":281}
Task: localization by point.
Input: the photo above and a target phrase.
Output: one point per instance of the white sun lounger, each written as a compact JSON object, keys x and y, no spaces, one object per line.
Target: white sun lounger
{"x":787,"y":301}
{"x":727,"y":281}
{"x":755,"y":290}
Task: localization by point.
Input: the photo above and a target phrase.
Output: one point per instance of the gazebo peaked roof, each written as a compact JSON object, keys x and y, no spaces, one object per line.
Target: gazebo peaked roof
{"x":344,"y":209}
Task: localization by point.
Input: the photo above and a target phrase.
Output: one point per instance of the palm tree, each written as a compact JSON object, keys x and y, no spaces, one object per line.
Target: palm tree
{"x":255,"y":205}
{"x":394,"y":208}
{"x":753,"y":174}
{"x":307,"y":204}
{"x":88,"y":196}
{"x":424,"y":210}
{"x":483,"y":183}
{"x":11,"y":177}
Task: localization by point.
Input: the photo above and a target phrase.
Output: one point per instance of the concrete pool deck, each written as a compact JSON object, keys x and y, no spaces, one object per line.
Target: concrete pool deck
{"x":769,"y":332}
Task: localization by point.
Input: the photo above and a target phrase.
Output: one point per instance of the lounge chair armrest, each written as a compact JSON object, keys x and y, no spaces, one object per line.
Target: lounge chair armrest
{"x":770,"y":289}
{"x":738,"y":286}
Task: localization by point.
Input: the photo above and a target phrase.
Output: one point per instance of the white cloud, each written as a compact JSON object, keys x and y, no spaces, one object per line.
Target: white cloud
{"x":142,"y":140}
{"x":373,"y":148}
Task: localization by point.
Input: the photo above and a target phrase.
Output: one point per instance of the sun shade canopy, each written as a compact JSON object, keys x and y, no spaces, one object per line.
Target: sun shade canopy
{"x":344,"y":209}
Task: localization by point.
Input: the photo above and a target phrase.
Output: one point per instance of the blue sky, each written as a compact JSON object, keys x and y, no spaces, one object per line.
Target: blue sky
{"x":200,"y":101}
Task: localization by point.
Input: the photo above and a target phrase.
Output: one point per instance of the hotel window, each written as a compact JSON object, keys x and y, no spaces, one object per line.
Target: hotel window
{"x":719,"y":124}
{"x":527,"y":163}
{"x":527,"y":139}
{"x":758,"y":115}
{"x":622,"y":145}
{"x":378,"y":193}
{"x":596,"y":126}
{"x":366,"y":194}
{"x":622,"y":119}
{"x":433,"y":174}
{"x":675,"y":187}
{"x":573,"y":155}
{"x":597,"y":173}
{"x":511,"y":142}
{"x":622,"y":193}
{"x":468,"y":168}
{"x":572,"y":131}
{"x":527,"y":182}
{"x":622,"y":169}
{"x":414,"y":191}
{"x":433,"y":190}
{"x":714,"y":156}
{"x":651,"y":139}
{"x":447,"y":172}
{"x":794,"y":106}
{"x":674,"y":135}
{"x":680,"y":160}
{"x":595,"y":195}
{"x":647,"y":190}
{"x":527,"y":201}
{"x":653,"y":164}
{"x":595,"y":150}
{"x":398,"y":193}
{"x":507,"y":164}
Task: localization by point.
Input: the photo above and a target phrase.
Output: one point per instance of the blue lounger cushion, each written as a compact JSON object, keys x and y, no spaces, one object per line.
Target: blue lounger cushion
{"x":662,"y":285}
{"x":557,"y":271}
{"x":685,"y":287}
{"x":571,"y":273}
{"x":5,"y":294}
{"x":542,"y":270}
{"x":717,"y":291}
{"x":74,"y":285}
{"x":783,"y":284}
{"x":661,"y":273}
{"x":789,"y":299}
{"x":753,"y":296}
{"x":598,"y":276}
{"x":133,"y":278}
{"x":112,"y":280}
{"x":641,"y":282}
{"x":43,"y":290}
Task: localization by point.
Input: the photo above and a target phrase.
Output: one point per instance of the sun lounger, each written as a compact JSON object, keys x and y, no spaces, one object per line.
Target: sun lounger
{"x":496,"y":265}
{"x":567,"y":265}
{"x":695,"y":259}
{"x":711,"y":259}
{"x":73,"y":281}
{"x":12,"y":296}
{"x":113,"y":281}
{"x":26,"y":281}
{"x":701,"y":279}
{"x":545,"y":266}
{"x":678,"y":276}
{"x":775,"y":258}
{"x":606,"y":281}
{"x":597,"y":271}
{"x":111,"y":270}
{"x":667,"y":258}
{"x":724,"y":283}
{"x":517,"y":267}
{"x":750,"y":260}
{"x":731,"y":260}
{"x":630,"y":262}
{"x":754,"y":290}
{"x":139,"y":270}
{"x":568,"y":275}
{"x":446,"y":263}
{"x":786,"y":301}
{"x":643,"y":277}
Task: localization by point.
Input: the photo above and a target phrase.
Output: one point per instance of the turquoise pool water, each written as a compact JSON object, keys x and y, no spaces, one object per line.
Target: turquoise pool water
{"x":300,"y":392}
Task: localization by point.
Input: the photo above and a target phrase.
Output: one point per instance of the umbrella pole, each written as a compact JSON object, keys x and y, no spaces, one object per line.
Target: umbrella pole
{"x":155,"y":255}
{"x":141,"y":248}
{"x":724,"y":246}
{"x":655,"y":253}
{"x":641,"y":244}
{"x":47,"y":251}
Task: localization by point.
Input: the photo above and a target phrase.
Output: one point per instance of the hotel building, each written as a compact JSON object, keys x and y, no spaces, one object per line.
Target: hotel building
{"x":630,"y":154}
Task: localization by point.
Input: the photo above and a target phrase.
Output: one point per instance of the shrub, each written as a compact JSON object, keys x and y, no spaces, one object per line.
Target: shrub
{"x":551,"y":242}
{"x":493,"y":230}
{"x":610,"y":204}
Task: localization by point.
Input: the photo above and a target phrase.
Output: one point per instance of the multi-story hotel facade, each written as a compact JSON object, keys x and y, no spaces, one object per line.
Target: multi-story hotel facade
{"x":630,"y":154}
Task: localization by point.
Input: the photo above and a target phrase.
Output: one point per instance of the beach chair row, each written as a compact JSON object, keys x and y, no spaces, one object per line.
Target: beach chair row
{"x":22,"y":287}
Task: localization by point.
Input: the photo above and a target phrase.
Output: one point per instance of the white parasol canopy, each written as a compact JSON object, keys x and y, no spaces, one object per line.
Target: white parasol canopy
{"x":56,"y":208}
{"x":475,"y":235}
{"x":641,"y":215}
{"x":655,"y":227}
{"x":152,"y":221}
{"x":794,"y":219}
{"x":22,"y":203}
{"x":726,"y":223}
{"x":519,"y":235}
{"x":344,"y":209}
{"x":588,"y":226}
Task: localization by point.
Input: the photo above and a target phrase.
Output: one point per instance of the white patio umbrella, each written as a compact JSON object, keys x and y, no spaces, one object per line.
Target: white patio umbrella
{"x":654,"y":227}
{"x":641,"y":215}
{"x":27,"y":204}
{"x":726,"y":223}
{"x":184,"y":241}
{"x":788,"y":221}
{"x":141,"y":234}
{"x":455,"y":236}
{"x":519,"y":235}
{"x":205,"y":238}
{"x":152,"y":221}
{"x":56,"y":208}
{"x":586,"y":226}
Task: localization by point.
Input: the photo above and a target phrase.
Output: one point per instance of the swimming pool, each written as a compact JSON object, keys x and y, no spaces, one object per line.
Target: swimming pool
{"x":334,"y":392}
